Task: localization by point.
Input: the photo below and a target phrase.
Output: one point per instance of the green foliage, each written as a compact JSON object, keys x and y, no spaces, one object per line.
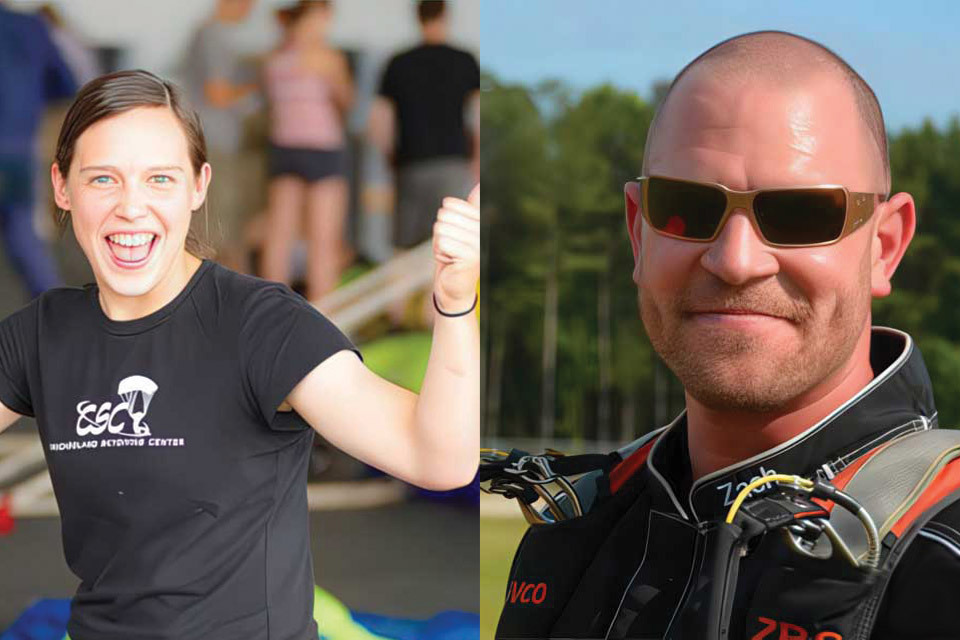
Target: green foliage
{"x":553,"y":165}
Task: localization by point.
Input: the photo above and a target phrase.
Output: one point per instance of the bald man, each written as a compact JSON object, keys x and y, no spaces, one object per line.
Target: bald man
{"x":761,"y":229}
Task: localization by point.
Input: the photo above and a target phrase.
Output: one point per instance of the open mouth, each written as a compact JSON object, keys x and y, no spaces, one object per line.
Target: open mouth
{"x":131,"y":250}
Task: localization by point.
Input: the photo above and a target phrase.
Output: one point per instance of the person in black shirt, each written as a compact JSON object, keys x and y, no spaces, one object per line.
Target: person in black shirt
{"x":418,"y":121}
{"x":177,"y":400}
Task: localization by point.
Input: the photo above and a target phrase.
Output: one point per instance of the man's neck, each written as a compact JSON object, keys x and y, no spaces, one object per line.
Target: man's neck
{"x":434,"y":32}
{"x":717,"y":439}
{"x":225,"y":15}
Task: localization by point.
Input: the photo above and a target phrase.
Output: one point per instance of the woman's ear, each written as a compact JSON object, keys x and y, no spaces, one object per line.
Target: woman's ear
{"x":202,"y":183}
{"x":894,"y":230}
{"x":60,"y":194}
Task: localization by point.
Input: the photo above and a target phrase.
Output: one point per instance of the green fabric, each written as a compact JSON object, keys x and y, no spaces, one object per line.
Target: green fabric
{"x":333,"y":619}
{"x":400,"y":358}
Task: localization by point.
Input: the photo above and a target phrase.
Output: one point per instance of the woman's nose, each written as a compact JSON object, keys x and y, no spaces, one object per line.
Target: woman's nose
{"x":133,"y":205}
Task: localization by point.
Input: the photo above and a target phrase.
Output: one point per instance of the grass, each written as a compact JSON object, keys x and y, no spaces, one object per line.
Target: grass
{"x":499,"y":538}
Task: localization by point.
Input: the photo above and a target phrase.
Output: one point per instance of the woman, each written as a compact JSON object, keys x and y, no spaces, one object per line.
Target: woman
{"x":308,"y":87}
{"x":175,"y":397}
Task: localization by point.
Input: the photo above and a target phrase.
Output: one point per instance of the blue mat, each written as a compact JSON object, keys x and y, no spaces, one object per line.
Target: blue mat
{"x":47,"y":620}
{"x":44,"y":620}
{"x":449,"y":625}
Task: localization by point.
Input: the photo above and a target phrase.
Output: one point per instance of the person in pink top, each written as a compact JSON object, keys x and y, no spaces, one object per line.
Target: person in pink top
{"x":309,"y":89}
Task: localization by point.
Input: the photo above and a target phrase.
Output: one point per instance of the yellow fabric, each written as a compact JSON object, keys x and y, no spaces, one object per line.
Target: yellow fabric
{"x":334,"y":620}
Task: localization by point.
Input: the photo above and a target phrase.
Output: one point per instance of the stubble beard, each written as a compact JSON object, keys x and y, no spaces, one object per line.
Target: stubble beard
{"x":729,"y":371}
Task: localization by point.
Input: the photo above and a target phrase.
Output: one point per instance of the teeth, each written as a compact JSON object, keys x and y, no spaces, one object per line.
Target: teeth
{"x":131,"y":239}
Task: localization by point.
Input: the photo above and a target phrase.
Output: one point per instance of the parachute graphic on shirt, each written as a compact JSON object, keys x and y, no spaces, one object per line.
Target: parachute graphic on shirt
{"x":137,"y":392}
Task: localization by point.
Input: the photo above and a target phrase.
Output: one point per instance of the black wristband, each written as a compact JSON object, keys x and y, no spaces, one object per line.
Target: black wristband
{"x":454,"y":315}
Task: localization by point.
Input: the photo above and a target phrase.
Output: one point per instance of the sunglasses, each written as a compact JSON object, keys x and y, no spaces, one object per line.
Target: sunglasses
{"x":798,"y":217}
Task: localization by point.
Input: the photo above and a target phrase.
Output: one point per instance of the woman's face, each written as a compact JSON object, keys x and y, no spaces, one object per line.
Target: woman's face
{"x":131,"y":191}
{"x":313,"y":24}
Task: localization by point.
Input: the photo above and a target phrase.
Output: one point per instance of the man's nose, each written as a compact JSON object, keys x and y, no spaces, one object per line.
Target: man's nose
{"x":738,"y":255}
{"x":133,"y":205}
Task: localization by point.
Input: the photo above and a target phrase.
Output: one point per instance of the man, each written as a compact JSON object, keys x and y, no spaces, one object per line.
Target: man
{"x":418,"y":121}
{"x":32,"y":75}
{"x":762,"y":309}
{"x":224,"y":92}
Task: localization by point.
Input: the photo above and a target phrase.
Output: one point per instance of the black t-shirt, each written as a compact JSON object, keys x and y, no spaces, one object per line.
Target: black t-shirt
{"x":182,"y":491}
{"x":429,"y":85}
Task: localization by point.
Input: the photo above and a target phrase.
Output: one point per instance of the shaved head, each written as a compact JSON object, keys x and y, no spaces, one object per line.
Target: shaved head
{"x":781,"y":60}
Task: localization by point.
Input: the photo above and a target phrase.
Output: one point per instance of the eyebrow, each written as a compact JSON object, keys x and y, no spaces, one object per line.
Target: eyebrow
{"x":105,"y":167}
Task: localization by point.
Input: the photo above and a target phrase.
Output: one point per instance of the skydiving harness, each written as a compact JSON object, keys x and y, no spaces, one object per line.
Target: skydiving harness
{"x":886,"y":495}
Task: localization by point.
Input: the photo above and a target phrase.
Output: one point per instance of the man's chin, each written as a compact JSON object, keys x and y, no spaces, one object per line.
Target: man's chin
{"x":739,"y":397}
{"x":756,"y":384}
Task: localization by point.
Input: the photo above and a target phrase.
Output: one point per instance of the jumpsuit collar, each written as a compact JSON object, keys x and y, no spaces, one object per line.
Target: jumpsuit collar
{"x":899,"y":400}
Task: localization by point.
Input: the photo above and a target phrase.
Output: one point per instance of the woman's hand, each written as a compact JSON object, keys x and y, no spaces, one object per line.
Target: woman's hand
{"x":456,"y":252}
{"x":430,"y":440}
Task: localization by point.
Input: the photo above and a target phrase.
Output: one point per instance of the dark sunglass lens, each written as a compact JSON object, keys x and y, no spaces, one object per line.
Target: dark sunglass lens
{"x":684,"y":209}
{"x":798,"y":217}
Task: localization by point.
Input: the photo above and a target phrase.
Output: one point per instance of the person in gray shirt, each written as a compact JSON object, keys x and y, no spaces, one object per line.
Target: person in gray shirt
{"x":224,"y":92}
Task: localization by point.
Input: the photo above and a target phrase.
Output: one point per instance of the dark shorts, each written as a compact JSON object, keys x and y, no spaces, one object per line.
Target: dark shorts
{"x":310,"y":165}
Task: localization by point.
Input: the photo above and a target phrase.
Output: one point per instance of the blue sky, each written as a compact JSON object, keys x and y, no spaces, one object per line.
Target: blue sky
{"x":908,"y":52}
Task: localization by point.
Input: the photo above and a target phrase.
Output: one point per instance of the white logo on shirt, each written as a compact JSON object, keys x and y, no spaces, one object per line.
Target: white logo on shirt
{"x":135,"y":392}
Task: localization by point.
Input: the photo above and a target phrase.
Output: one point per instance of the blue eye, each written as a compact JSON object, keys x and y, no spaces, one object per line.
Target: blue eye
{"x":162,"y":179}
{"x":101,"y":179}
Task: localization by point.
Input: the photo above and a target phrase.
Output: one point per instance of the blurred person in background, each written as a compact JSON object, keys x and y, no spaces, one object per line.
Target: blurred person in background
{"x":224,"y":91}
{"x":419,"y":122}
{"x":309,"y":89}
{"x":78,"y":56}
{"x":32,"y":75}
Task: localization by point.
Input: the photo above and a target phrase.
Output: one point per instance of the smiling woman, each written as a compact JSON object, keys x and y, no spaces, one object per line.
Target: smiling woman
{"x":191,"y":522}
{"x":105,"y":179}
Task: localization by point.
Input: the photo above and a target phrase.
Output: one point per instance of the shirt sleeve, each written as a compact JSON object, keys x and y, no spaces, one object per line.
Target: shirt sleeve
{"x":282,"y":339}
{"x":473,"y":72}
{"x":388,"y":84}
{"x":59,"y":82}
{"x":17,"y":334}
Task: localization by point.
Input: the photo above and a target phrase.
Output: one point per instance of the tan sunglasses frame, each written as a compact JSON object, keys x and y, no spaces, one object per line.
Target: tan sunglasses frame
{"x":859,"y":208}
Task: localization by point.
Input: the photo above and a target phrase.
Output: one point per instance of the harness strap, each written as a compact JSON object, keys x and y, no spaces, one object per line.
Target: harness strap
{"x":896,"y":483}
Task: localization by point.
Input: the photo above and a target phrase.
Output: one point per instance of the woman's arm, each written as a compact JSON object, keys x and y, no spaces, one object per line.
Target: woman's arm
{"x":7,"y":417}
{"x":430,"y":440}
{"x":381,"y":125}
{"x":332,"y":65}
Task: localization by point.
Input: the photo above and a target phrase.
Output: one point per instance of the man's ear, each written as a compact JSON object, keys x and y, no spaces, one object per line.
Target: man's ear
{"x":631,"y":195}
{"x":60,"y":195}
{"x":202,"y":183}
{"x":894,"y":231}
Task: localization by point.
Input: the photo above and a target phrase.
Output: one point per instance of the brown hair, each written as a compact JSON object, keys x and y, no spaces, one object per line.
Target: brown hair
{"x":289,"y":15}
{"x":116,"y":93}
{"x":428,"y":10}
